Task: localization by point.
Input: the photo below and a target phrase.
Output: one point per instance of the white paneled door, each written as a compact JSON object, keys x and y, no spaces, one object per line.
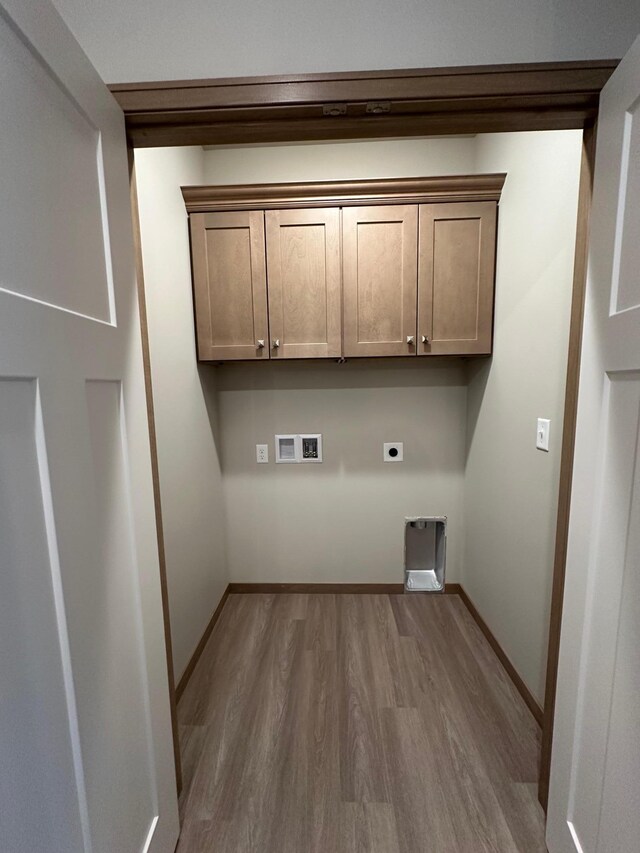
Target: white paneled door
{"x":594,"y":801}
{"x":86,"y":759}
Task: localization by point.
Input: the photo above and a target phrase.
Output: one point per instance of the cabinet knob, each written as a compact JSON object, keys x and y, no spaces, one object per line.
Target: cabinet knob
{"x":425,"y":339}
{"x":410,"y":340}
{"x":260,"y":344}
{"x":276,"y":343}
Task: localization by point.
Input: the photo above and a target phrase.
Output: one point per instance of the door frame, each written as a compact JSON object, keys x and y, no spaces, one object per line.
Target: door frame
{"x":566,"y":458}
{"x":364,"y":104}
{"x":155,"y":475}
{"x":376,"y":104}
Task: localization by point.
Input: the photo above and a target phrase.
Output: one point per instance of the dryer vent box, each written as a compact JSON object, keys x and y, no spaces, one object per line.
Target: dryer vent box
{"x":425,"y":553}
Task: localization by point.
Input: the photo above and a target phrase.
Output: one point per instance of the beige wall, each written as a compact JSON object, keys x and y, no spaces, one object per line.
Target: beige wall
{"x":510,"y":487}
{"x":184,"y":396}
{"x":355,"y":160}
{"x":343,"y":520}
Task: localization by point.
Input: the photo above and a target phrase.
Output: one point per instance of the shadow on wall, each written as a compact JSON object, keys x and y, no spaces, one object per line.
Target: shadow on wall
{"x":209,"y":385}
{"x":354,"y":373}
{"x":477,"y":373}
{"x":357,"y":407}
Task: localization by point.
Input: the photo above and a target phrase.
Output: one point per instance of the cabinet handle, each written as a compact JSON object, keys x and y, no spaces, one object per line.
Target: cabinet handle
{"x":260,"y":344}
{"x":410,"y":340}
{"x":276,"y":343}
{"x":425,"y":339}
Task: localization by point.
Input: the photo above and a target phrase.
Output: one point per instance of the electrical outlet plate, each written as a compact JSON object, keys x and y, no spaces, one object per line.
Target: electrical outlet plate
{"x":262,"y":453}
{"x":393,"y":451}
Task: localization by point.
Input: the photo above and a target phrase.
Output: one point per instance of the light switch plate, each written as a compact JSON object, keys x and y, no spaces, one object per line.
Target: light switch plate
{"x":262,"y":453}
{"x":393,"y":451}
{"x":542,"y":434}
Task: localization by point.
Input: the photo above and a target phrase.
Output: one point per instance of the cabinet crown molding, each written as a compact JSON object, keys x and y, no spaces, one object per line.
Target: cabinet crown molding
{"x":448,"y":188}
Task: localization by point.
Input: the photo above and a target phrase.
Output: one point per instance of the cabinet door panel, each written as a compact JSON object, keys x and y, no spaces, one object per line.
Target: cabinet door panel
{"x":380,"y":261}
{"x":456,"y":278}
{"x":303,"y":264}
{"x":229,"y":282}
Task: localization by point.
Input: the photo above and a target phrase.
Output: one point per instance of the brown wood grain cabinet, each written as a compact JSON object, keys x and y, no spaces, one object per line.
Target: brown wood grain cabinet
{"x":456,"y":278}
{"x":380,"y":279}
{"x":314,"y":271}
{"x":304,"y":282}
{"x":230,"y":285}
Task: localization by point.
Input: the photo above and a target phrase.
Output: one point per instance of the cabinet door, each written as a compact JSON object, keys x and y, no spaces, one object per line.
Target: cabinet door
{"x":303,"y":266}
{"x":456,"y":278}
{"x":230,"y":286}
{"x":380,"y":264}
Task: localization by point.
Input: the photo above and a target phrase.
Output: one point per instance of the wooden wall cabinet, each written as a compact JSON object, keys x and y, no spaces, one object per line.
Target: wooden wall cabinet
{"x":230,"y":285}
{"x":303,"y":271}
{"x":355,"y":269}
{"x":380,"y":246}
{"x":456,"y":278}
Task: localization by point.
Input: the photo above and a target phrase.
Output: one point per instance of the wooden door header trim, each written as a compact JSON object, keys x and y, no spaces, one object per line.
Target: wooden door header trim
{"x":417,"y":102}
{"x":444,"y":70}
{"x":202,"y":199}
{"x":406,"y":83}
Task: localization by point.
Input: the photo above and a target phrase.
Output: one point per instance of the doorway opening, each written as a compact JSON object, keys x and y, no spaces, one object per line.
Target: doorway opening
{"x":494,"y":474}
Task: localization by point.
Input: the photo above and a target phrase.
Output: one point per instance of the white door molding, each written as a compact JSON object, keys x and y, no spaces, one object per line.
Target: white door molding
{"x":594,"y":799}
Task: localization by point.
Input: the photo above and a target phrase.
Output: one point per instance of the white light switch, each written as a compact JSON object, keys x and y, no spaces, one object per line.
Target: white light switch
{"x":262,"y":453}
{"x":542,"y":434}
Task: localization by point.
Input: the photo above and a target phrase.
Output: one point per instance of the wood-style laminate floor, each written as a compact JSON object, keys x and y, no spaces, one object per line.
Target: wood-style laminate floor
{"x":355,"y":724}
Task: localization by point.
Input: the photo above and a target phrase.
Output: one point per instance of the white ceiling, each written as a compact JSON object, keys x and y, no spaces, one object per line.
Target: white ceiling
{"x":131,"y":40}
